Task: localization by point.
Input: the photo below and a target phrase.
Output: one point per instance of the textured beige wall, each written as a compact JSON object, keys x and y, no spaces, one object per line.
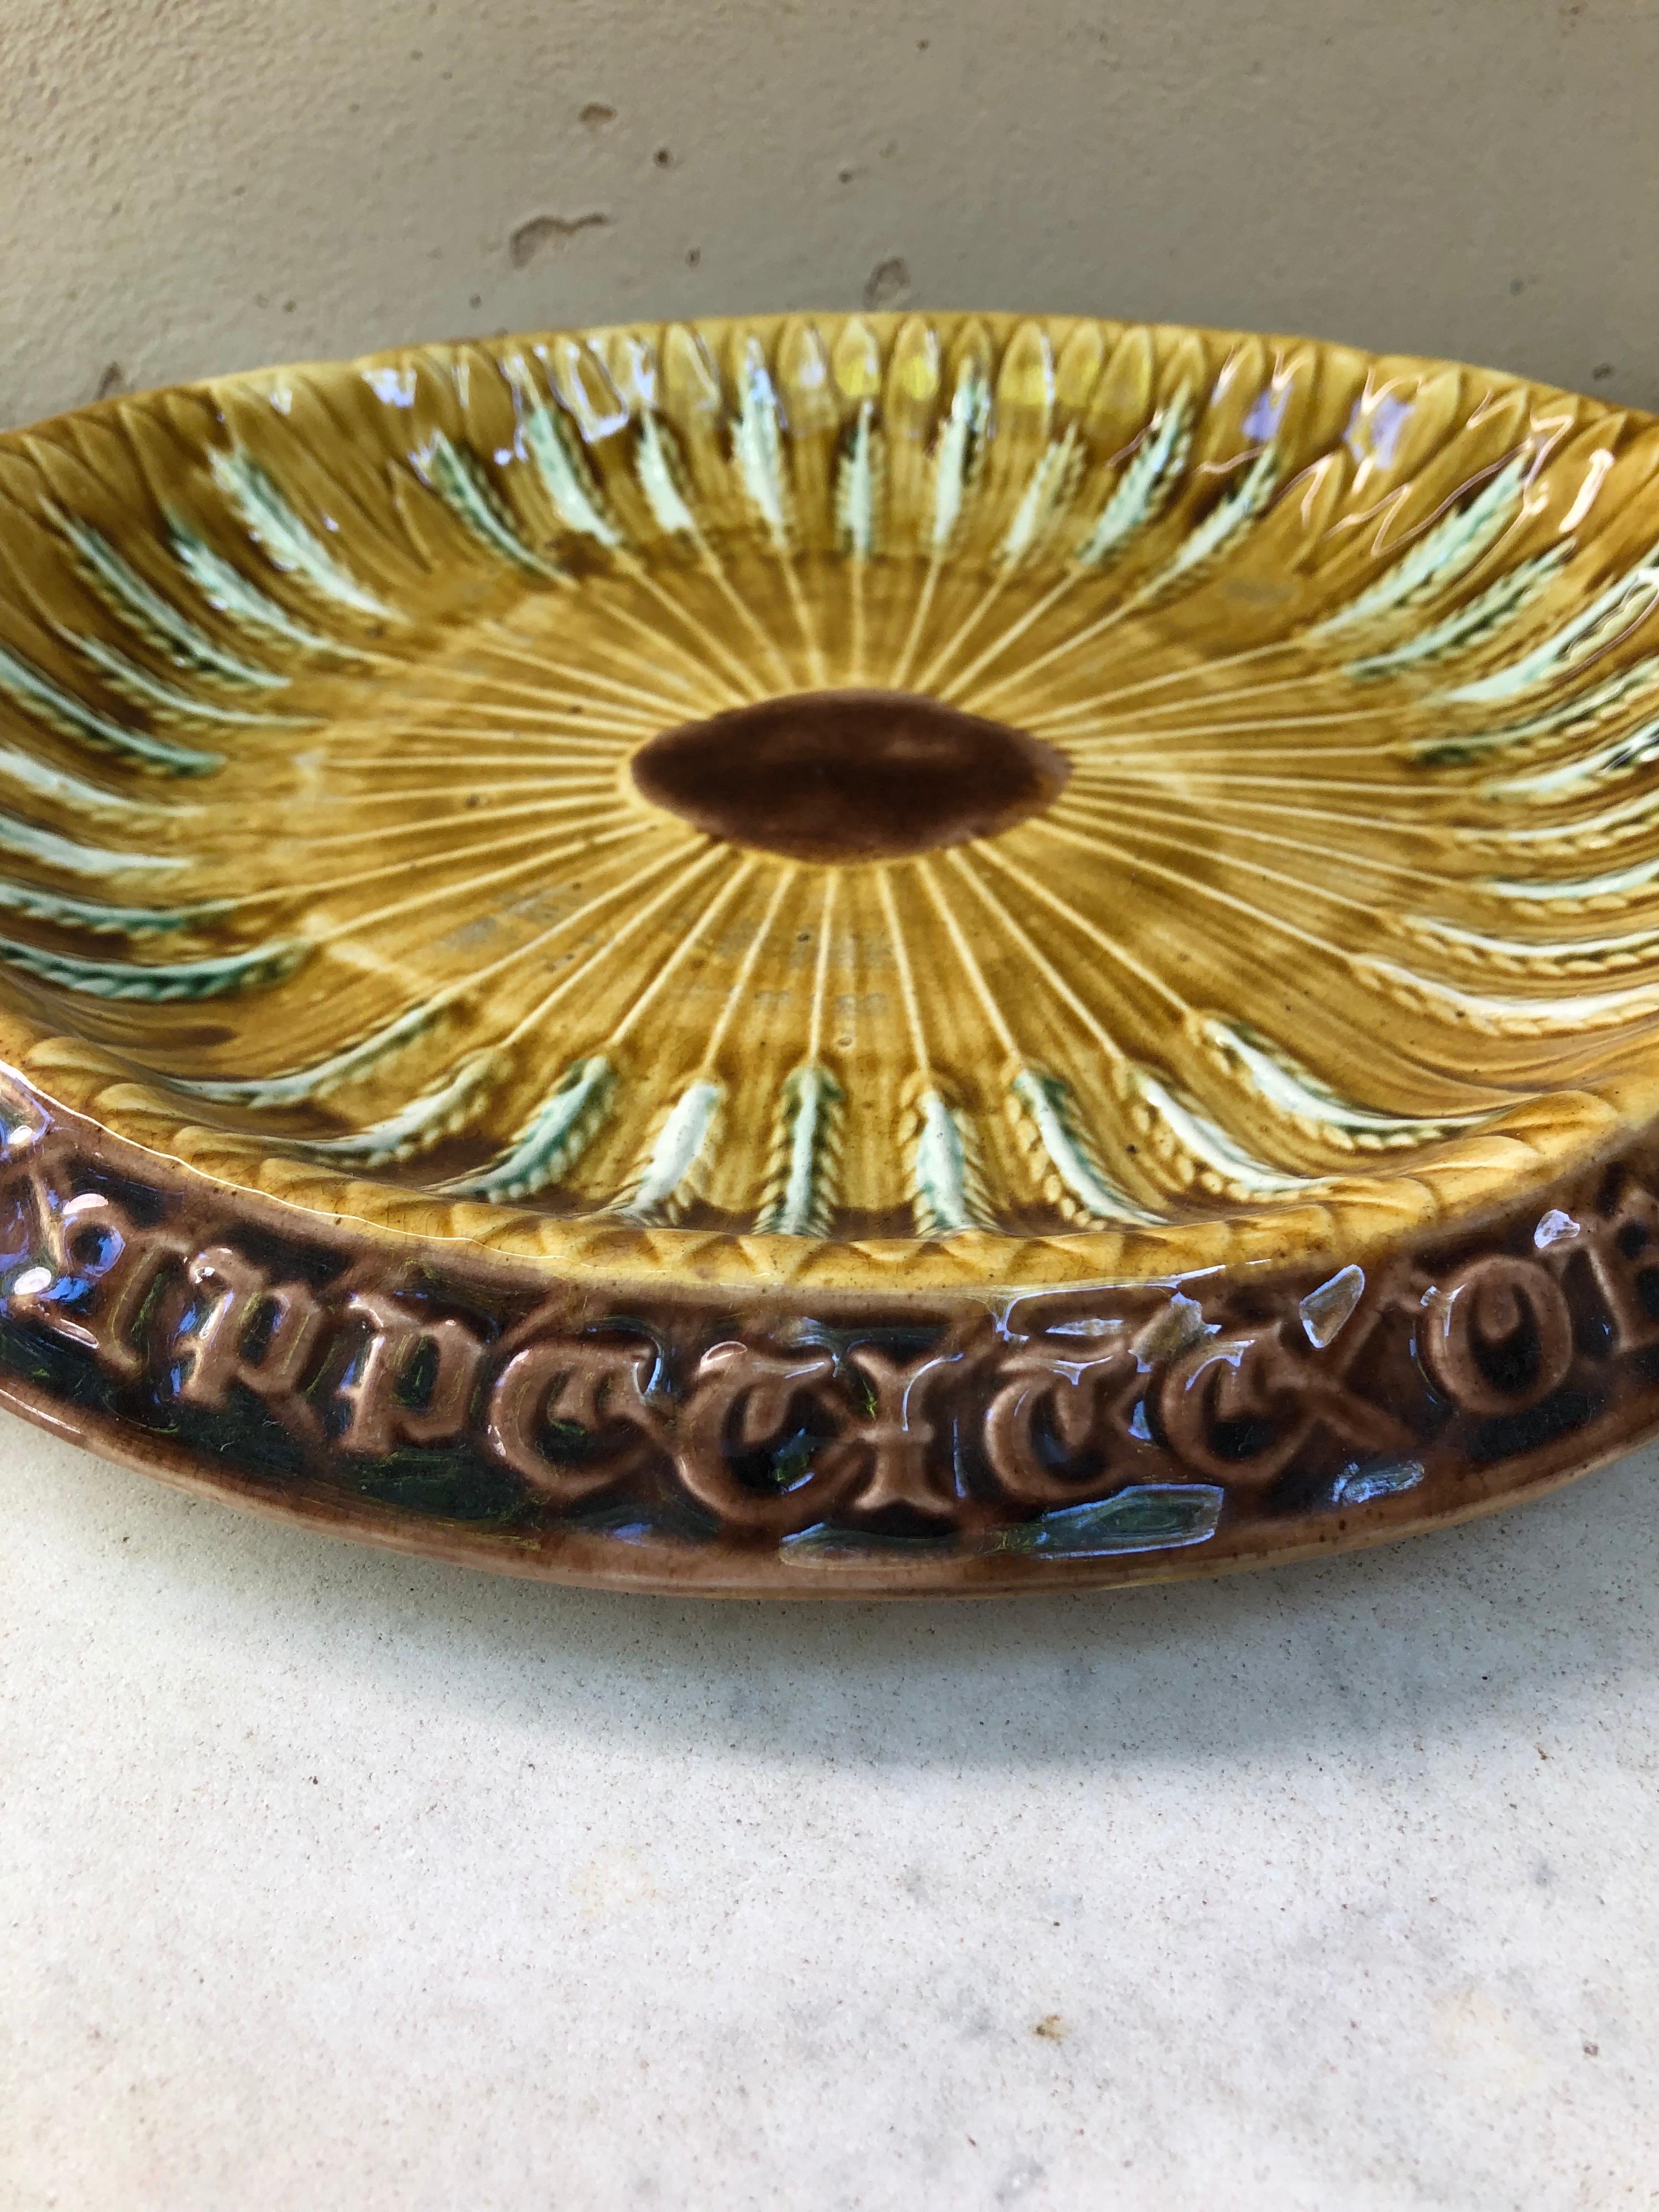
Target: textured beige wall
{"x":202,"y":184}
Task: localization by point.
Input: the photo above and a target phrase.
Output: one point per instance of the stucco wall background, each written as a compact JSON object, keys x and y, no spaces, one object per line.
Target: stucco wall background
{"x":193,"y":185}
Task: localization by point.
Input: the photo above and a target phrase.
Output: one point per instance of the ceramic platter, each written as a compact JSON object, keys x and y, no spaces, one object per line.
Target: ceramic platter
{"x":836,"y":956}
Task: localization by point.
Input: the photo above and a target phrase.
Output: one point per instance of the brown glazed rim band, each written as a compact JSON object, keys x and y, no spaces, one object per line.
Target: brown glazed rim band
{"x":1454,"y":1378}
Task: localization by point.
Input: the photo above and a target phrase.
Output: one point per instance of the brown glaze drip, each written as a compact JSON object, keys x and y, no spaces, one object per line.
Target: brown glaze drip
{"x":837,"y":776}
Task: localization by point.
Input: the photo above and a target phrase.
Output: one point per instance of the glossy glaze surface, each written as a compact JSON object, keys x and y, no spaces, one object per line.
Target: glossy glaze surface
{"x":799,"y":838}
{"x":843,"y":777}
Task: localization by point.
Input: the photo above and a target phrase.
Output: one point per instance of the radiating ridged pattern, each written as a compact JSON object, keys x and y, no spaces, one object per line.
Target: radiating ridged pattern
{"x":319,"y":691}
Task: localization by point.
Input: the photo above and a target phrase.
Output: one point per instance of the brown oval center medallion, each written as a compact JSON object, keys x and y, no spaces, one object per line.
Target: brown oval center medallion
{"x":849,"y":776}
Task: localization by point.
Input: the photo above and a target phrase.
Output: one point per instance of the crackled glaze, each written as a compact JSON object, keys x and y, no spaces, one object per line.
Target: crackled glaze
{"x":792,"y":839}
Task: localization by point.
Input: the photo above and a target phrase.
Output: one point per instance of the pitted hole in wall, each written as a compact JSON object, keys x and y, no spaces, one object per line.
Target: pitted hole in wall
{"x":541,"y":231}
{"x":888,"y":285}
{"x":596,"y":115}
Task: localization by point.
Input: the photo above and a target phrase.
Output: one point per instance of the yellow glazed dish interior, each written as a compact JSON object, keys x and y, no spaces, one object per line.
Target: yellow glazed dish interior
{"x":880,"y":802}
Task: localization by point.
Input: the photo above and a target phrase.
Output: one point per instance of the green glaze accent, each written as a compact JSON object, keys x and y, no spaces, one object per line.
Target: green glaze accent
{"x":72,"y":792}
{"x":1294,"y":1091}
{"x":802,"y":1198}
{"x":1211,"y":536}
{"x":1616,"y":885}
{"x":555,"y":451}
{"x":296,"y":1086}
{"x":657,"y":467}
{"x":1144,"y":489}
{"x":758,"y":447}
{"x":1522,"y":1012}
{"x":287,"y":543}
{"x":942,"y":1205}
{"x":1447,"y":550}
{"x":62,"y":711}
{"x":917,"y":950}
{"x":1051,"y":1107}
{"x":961,"y":440}
{"x":137,"y":684}
{"x":1472,"y":624}
{"x":678,"y":1148}
{"x":34,"y":843}
{"x":858,"y":487}
{"x":664,"y":1014}
{"x":458,"y":479}
{"x":1046,"y":490}
{"x":1204,"y":1140}
{"x":552,"y":1140}
{"x":1623,"y":603}
{"x":227,"y":590}
{"x":1619,"y":756}
{"x":1575,"y":956}
{"x":163,"y":983}
{"x":1581,"y":712}
{"x":1151,"y":1517}
{"x":154,"y":617}
{"x":445,"y":1107}
{"x":105,"y":921}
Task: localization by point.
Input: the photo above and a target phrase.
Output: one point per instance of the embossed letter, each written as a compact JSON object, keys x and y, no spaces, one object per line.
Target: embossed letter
{"x":893,"y":1439}
{"x":1487,"y":1305}
{"x":744,"y":1397}
{"x":1068,"y":1394}
{"x":214,"y":1347}
{"x":380,"y":1418}
{"x":1272,"y":1400}
{"x":588,"y":1384}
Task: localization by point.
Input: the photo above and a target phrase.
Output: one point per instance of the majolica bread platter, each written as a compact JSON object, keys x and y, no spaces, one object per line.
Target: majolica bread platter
{"x":836,"y":955}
